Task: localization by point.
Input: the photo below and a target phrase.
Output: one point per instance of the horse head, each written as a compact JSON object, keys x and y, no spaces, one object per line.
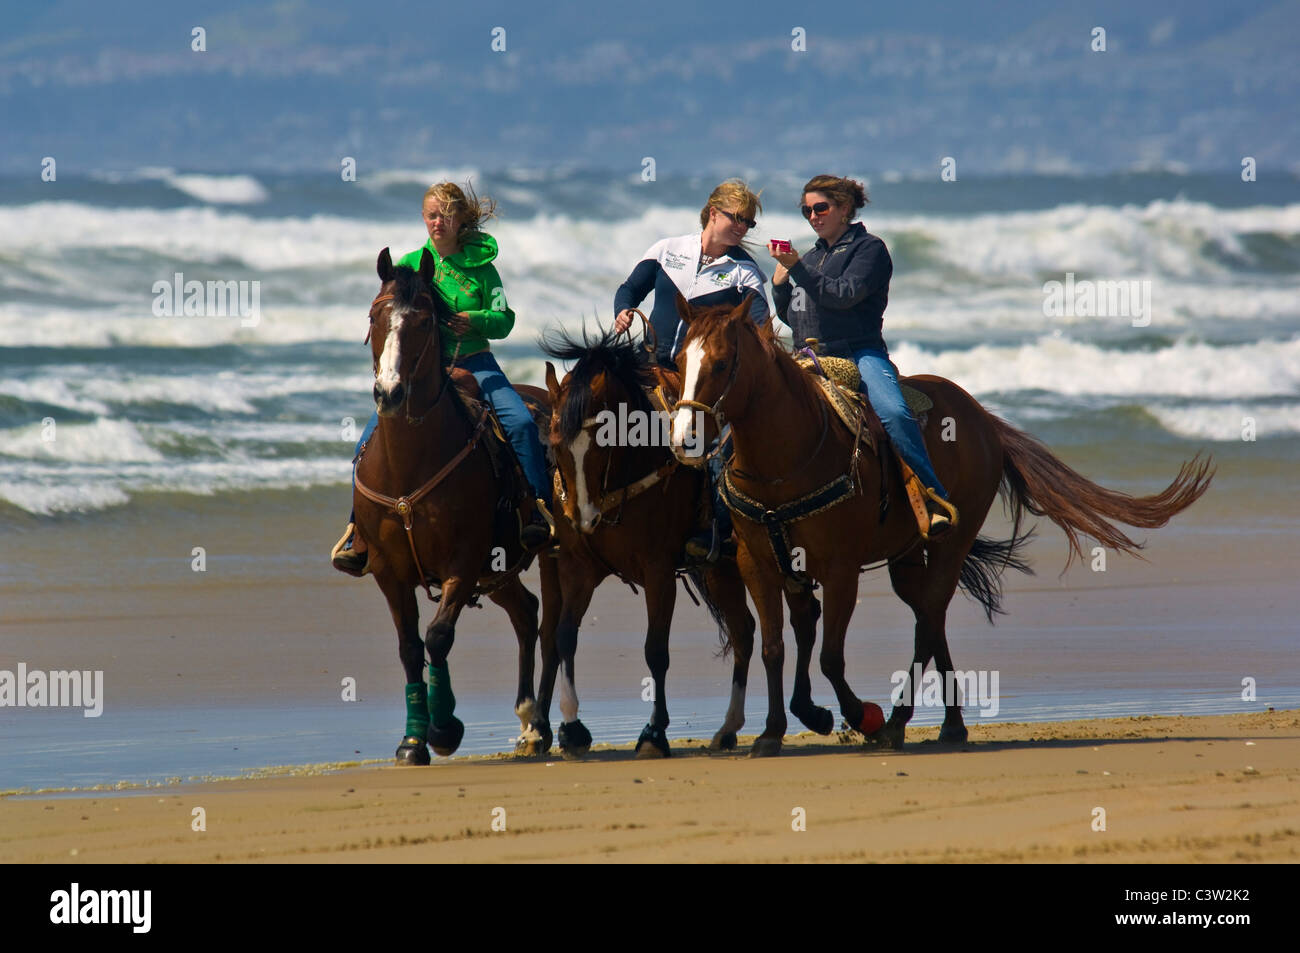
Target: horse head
{"x":605,"y":389}
{"x":404,"y":335}
{"x":713,"y":389}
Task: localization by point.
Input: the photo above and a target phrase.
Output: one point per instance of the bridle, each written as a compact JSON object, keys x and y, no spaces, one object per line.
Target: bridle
{"x":715,"y":411}
{"x":415,"y":371}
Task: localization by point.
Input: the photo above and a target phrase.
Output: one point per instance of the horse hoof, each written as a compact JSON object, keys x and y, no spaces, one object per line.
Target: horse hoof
{"x":888,"y":738}
{"x":723,"y":741}
{"x":412,"y":750}
{"x":445,"y":739}
{"x":536,"y":740}
{"x":765,"y":748}
{"x":658,"y":746}
{"x":574,"y":739}
{"x":952,"y":734}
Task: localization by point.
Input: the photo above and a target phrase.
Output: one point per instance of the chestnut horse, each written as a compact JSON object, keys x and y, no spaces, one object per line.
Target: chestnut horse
{"x":788,"y":448}
{"x":427,"y":499}
{"x":625,"y":507}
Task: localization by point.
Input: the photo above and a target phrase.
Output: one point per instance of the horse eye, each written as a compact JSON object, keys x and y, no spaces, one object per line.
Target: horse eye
{"x":719,"y":367}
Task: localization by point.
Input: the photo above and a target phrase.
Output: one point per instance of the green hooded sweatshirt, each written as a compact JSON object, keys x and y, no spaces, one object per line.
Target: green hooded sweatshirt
{"x":469,"y":282}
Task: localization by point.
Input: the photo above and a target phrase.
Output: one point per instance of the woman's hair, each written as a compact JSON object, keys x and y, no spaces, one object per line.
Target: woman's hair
{"x":732,"y":192}
{"x":840,"y":191}
{"x":470,"y":211}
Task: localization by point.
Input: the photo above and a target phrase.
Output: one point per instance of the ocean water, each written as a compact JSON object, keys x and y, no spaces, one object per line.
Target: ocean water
{"x":141,"y":402}
{"x":208,"y":408}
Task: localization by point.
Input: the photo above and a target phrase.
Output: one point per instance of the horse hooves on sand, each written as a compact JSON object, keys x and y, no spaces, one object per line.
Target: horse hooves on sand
{"x":574,"y":739}
{"x":816,"y":718}
{"x":888,"y":738}
{"x":412,"y":750}
{"x":535,"y":741}
{"x":765,"y":748}
{"x":723,"y":741}
{"x":658,"y":743}
{"x":445,"y":739}
{"x":952,"y":734}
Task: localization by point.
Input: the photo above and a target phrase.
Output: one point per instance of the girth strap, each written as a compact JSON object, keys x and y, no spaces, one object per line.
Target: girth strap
{"x":777,"y":521}
{"x":404,"y":506}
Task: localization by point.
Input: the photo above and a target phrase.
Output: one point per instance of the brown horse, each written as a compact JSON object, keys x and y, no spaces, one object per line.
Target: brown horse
{"x":809,"y":485}
{"x":428,"y":506}
{"x":624,"y":507}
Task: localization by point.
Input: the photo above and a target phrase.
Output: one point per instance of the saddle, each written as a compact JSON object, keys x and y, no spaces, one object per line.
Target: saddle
{"x":514,"y":503}
{"x":840,"y":383}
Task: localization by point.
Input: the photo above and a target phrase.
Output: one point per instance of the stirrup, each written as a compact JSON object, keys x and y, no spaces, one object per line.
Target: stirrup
{"x":345,"y":559}
{"x":945,"y":519}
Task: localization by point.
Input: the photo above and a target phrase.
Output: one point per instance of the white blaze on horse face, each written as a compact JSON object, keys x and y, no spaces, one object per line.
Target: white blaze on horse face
{"x":682,"y":420}
{"x":587,"y":514}
{"x":390,"y":359}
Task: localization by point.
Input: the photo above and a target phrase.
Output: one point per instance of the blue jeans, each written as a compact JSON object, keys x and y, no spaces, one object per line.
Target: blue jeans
{"x":510,"y":410}
{"x":880,"y":383}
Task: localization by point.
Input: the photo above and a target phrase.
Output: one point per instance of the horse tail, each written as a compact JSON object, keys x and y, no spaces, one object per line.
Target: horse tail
{"x":981,"y":571}
{"x":697,"y":576}
{"x":1034,"y":480}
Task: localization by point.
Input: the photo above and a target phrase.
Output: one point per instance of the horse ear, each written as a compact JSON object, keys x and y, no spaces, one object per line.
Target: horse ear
{"x":385,"y":266}
{"x":426,"y":265}
{"x":684,"y":309}
{"x":552,"y":383}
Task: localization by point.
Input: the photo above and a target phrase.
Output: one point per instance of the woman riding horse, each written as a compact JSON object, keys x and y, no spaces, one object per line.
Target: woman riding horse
{"x":708,"y":267}
{"x":469,"y":283}
{"x":844,"y":285}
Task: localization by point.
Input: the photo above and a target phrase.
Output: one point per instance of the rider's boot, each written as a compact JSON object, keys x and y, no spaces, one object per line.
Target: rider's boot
{"x":349,"y":554}
{"x":540,"y":528}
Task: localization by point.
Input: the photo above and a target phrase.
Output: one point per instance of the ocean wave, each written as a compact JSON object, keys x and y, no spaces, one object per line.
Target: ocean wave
{"x":45,"y":490}
{"x":1229,"y":422}
{"x":101,"y":441}
{"x":1071,"y":368}
{"x":220,"y":189}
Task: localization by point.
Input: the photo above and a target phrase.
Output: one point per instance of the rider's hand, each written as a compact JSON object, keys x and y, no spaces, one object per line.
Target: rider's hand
{"x":786,"y":258}
{"x":458,"y":323}
{"x":780,"y":274}
{"x":622,"y":321}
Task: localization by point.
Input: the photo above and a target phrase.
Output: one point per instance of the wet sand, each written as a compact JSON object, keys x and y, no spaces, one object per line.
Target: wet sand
{"x":1174,"y":790}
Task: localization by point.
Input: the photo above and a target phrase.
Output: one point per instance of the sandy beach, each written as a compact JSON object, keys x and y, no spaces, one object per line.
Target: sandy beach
{"x":1180,"y":790}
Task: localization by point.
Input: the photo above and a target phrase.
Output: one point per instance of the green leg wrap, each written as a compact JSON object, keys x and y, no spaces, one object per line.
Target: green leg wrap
{"x":442,"y":703}
{"x":417,"y":709}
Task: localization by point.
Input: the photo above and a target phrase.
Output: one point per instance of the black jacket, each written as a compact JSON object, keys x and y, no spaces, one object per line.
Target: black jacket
{"x":845,"y":289}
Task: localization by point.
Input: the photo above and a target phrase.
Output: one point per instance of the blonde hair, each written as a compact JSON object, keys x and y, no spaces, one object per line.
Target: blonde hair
{"x":471,"y":211}
{"x":732,"y":192}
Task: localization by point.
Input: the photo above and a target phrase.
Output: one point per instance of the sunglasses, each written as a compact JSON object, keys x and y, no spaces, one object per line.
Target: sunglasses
{"x":821,"y":208}
{"x":738,"y":219}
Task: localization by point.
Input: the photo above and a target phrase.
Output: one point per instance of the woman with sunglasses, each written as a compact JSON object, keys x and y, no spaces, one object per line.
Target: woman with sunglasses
{"x":708,"y":267}
{"x":844,"y":282}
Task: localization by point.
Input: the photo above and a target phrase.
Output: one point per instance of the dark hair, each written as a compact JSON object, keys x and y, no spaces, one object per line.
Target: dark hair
{"x":840,"y":191}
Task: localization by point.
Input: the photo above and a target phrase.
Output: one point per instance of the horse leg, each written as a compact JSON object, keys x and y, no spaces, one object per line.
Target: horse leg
{"x":405,"y":610}
{"x":445,"y":729}
{"x":552,"y":597}
{"x":804,"y":612}
{"x":942,"y":574}
{"x":839,"y":601}
{"x":521,"y":607}
{"x":573,"y":737}
{"x":727,"y":592}
{"x":660,"y":599}
{"x":765,"y":590}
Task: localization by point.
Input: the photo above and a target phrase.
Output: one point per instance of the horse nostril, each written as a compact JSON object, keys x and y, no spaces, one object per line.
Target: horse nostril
{"x":398,"y":392}
{"x":378,"y":394}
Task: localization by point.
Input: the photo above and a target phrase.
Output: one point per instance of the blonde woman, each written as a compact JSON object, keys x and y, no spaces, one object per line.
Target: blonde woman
{"x":469,"y":283}
{"x":708,"y":267}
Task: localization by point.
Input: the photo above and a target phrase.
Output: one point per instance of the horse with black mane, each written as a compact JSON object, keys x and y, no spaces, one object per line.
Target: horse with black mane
{"x":435,"y":502}
{"x":802,"y":480}
{"x":624,"y":507}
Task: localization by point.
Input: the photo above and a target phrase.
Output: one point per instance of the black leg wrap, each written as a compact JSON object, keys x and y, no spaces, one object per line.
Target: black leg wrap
{"x":445,"y":739}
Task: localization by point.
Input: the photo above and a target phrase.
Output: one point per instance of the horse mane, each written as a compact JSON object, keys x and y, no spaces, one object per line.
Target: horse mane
{"x":608,"y":353}
{"x":720,"y":317}
{"x":408,"y":288}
